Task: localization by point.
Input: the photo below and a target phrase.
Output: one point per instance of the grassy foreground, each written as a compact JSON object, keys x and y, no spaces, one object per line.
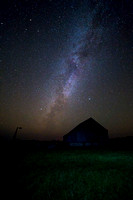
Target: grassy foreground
{"x":75,"y":175}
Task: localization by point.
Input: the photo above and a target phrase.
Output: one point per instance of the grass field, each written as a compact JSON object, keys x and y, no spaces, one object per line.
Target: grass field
{"x":75,"y":175}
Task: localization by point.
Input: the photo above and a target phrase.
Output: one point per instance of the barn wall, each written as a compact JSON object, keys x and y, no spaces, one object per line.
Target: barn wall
{"x":93,"y":135}
{"x":81,"y":137}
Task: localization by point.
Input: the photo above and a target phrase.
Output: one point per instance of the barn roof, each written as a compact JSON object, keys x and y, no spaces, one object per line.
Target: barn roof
{"x":88,"y":124}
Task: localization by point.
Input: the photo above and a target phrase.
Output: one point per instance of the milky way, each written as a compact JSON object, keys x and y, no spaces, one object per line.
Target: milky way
{"x":82,"y":51}
{"x":63,"y":62}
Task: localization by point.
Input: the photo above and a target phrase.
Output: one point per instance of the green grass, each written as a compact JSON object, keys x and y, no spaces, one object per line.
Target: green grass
{"x":76,"y":175}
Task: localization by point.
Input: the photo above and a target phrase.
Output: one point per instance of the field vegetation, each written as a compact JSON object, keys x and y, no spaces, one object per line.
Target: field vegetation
{"x":74,"y":175}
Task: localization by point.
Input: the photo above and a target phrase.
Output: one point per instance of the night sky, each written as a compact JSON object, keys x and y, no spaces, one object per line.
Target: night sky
{"x":62,"y":62}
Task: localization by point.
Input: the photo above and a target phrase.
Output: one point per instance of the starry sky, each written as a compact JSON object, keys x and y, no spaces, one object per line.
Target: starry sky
{"x":62,"y":62}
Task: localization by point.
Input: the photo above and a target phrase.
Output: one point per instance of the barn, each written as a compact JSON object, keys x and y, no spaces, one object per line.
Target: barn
{"x":87,"y":133}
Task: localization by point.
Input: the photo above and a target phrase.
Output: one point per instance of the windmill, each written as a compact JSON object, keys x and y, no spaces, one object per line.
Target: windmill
{"x":15,"y":134}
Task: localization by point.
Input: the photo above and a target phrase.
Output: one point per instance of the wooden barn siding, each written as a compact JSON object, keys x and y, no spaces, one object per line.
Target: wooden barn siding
{"x":88,"y":138}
